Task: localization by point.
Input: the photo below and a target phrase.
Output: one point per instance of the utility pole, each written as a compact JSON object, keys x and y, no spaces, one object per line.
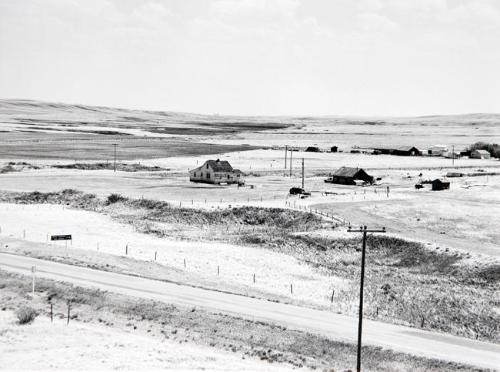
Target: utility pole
{"x":291,"y":154}
{"x":364,"y":230}
{"x":286,"y":150}
{"x":114,"y":163}
{"x":302,"y":173}
{"x":453,"y":155}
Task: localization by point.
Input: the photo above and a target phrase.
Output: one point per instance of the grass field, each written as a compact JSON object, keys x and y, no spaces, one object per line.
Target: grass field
{"x":213,"y":339}
{"x":88,"y":147}
{"x":405,"y":280}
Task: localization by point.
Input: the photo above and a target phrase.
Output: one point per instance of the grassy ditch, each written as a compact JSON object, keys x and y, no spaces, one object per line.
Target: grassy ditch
{"x":408,"y":283}
{"x":267,"y":342}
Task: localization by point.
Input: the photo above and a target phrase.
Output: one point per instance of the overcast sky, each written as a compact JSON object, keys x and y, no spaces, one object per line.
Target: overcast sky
{"x":300,"y":57}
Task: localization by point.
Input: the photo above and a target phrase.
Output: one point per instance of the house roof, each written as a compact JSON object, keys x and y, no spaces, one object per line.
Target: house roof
{"x":483,"y":152}
{"x":347,"y":172}
{"x":220,"y":165}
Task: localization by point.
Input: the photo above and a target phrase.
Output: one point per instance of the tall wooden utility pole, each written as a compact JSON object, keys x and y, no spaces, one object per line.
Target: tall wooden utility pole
{"x":364,"y":230}
{"x":291,"y":153}
{"x":286,"y":150}
{"x":302,"y":173}
{"x":114,"y":162}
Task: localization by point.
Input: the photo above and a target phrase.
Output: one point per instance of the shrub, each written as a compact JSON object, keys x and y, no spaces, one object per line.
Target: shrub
{"x":26,"y":315}
{"x":115,"y":198}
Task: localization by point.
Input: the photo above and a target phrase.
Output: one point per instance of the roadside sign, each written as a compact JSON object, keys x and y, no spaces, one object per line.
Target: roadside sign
{"x":60,"y":237}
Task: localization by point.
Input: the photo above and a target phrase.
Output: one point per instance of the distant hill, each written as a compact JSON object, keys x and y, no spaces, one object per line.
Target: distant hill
{"x":37,"y":116}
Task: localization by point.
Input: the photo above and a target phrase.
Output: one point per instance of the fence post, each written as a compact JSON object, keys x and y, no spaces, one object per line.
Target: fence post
{"x":218,"y":270}
{"x":333,"y":293}
{"x":254,"y":278}
{"x":51,"y":313}
{"x":291,"y":288}
{"x":69,"y":309}
{"x":33,"y":270}
{"x":155,"y":254}
{"x":184,"y":263}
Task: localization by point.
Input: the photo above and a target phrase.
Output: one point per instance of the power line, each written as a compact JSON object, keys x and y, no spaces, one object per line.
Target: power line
{"x":364,"y":230}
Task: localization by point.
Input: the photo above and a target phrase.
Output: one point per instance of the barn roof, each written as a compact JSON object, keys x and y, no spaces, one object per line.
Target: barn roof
{"x":483,"y":152}
{"x":406,"y":148}
{"x":220,"y":165}
{"x":437,"y":181}
{"x":347,"y":172}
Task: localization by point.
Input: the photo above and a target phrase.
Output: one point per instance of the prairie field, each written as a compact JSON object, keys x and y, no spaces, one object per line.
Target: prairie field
{"x":437,"y":268}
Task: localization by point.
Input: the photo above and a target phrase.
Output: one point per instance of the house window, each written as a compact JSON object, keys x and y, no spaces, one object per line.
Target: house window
{"x":228,"y":176}
{"x":208,"y":176}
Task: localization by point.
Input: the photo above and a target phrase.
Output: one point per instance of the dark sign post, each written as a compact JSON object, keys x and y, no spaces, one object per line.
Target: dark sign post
{"x":63,"y":237}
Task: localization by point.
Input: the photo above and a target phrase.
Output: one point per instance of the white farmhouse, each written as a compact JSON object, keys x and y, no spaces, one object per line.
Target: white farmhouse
{"x":216,"y":172}
{"x":480,"y":154}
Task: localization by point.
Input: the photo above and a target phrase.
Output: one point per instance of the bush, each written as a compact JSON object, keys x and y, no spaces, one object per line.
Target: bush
{"x":492,"y":148}
{"x":26,"y":315}
{"x":115,"y":198}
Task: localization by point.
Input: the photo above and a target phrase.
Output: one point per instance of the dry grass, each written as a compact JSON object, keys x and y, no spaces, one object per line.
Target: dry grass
{"x":26,"y":315}
{"x":407,"y":283}
{"x":250,"y":339}
{"x":124,"y":167}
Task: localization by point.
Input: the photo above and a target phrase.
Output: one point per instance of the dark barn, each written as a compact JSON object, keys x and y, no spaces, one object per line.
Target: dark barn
{"x":312,"y":149}
{"x":401,"y":151}
{"x":438,"y":185}
{"x":349,"y":176}
{"x":407,"y":151}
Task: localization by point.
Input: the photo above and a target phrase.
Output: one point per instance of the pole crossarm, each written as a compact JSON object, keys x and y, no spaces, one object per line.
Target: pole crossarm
{"x":367,"y":230}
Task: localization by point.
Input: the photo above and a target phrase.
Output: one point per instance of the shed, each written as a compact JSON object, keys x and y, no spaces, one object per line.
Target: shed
{"x":437,"y":150}
{"x":438,"y":185}
{"x":312,"y":149}
{"x":334,"y":149}
{"x":480,"y":154}
{"x":454,"y":174}
{"x":349,"y":176}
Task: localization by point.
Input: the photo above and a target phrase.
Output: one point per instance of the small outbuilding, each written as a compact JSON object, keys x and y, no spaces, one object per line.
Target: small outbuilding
{"x":216,"y":172}
{"x":349,"y":176}
{"x":334,"y":149}
{"x":454,"y":174}
{"x":438,"y":185}
{"x":437,"y":150}
{"x":312,"y":149}
{"x":480,"y":154}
